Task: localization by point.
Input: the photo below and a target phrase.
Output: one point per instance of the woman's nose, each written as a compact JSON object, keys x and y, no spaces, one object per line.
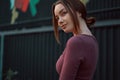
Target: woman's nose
{"x":60,"y":20}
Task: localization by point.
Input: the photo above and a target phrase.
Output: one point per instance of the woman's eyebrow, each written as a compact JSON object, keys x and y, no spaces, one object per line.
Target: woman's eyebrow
{"x":60,"y":11}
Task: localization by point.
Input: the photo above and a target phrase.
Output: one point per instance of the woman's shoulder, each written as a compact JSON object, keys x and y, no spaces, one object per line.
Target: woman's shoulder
{"x":81,"y":39}
{"x":75,"y":40}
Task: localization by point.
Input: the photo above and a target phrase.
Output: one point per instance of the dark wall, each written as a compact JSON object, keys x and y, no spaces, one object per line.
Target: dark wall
{"x":31,"y":55}
{"x":34,"y":55}
{"x":109,"y":57}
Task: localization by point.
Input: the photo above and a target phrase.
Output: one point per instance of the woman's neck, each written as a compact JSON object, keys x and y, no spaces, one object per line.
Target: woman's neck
{"x":83,"y":28}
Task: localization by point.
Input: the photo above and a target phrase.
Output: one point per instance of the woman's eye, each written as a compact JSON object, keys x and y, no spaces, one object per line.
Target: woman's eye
{"x":64,"y":13}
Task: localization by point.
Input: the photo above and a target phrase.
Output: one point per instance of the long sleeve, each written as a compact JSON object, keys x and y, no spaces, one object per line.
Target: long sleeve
{"x":79,"y":59}
{"x":73,"y":58}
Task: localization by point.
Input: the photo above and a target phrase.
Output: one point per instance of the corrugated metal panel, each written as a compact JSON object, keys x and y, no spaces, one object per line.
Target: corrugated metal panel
{"x":1,"y":54}
{"x":34,"y":55}
{"x":108,"y":65}
{"x":104,"y":10}
{"x":102,"y":4}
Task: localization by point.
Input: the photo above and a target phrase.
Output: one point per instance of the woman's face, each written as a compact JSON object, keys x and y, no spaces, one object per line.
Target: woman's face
{"x":63,"y":18}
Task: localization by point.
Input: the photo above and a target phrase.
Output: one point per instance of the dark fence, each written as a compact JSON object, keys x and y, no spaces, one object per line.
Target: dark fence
{"x":33,"y":55}
{"x":109,"y":57}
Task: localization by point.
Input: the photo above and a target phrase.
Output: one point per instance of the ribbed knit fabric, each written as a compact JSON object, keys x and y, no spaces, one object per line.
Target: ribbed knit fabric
{"x":79,"y":58}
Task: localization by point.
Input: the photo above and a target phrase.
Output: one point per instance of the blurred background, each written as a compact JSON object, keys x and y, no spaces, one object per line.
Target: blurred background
{"x":29,"y":51}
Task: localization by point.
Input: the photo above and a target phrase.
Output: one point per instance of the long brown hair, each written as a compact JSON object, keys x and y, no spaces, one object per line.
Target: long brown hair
{"x":72,"y":6}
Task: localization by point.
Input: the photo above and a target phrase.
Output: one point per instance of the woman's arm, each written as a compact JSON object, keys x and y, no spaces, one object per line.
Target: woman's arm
{"x":72,"y":59}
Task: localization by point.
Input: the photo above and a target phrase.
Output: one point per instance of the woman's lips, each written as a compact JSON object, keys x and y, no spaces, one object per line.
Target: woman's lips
{"x":63,"y":27}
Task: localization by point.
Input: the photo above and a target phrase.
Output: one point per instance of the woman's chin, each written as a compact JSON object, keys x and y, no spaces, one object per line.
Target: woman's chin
{"x":66,"y":31}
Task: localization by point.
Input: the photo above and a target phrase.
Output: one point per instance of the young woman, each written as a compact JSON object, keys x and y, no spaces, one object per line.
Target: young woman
{"x":79,"y":58}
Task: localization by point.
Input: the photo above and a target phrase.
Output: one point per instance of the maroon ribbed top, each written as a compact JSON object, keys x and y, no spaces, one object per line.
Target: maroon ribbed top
{"x":79,"y":58}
